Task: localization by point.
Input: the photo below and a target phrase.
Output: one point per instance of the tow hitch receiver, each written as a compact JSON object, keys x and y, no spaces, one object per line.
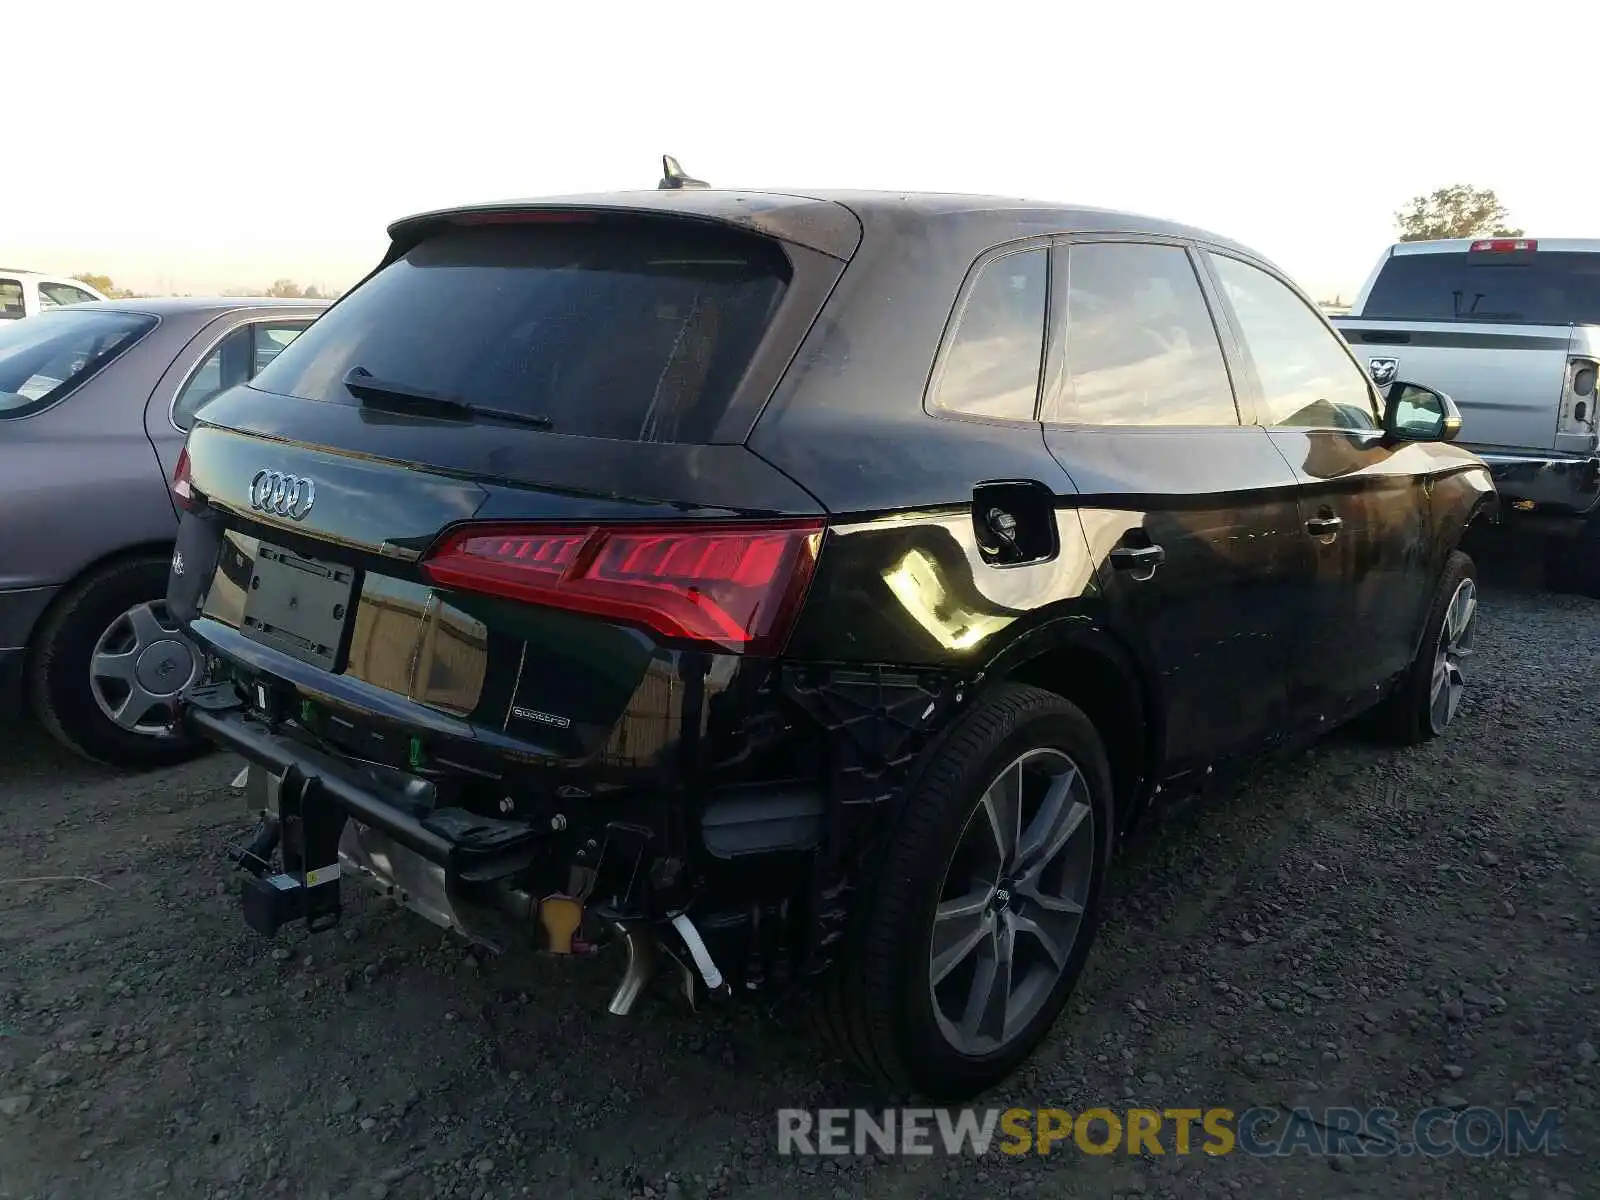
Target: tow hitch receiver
{"x":307,"y":889}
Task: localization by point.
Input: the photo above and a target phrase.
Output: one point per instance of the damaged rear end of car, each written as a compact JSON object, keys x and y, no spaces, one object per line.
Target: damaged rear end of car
{"x":496,"y":596}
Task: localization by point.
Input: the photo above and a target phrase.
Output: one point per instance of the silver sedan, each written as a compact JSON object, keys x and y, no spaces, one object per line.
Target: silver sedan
{"x":95,"y":403}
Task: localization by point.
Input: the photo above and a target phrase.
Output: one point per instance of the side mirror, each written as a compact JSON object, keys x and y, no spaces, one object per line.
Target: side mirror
{"x":1413,"y":413}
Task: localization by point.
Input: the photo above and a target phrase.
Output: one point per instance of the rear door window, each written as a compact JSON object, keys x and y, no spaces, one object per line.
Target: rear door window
{"x":45,"y":358}
{"x":52,"y":295}
{"x":634,"y":330}
{"x":237,"y":357}
{"x":270,"y":338}
{"x":12,"y":305}
{"x":1541,"y":287}
{"x":1139,"y":342}
{"x":994,"y":352}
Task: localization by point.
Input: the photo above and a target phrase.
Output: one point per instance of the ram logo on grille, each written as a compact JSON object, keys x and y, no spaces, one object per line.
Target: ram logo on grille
{"x":282,"y":495}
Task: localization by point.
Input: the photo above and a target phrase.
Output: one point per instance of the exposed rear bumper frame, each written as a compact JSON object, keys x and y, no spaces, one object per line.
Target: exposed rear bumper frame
{"x":399,"y":806}
{"x":288,"y":760}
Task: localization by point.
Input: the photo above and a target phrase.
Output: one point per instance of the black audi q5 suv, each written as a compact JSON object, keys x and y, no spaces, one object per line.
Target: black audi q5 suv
{"x":801,"y":588}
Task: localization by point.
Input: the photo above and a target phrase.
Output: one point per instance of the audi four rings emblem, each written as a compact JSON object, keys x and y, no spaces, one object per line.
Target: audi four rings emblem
{"x":282,"y":495}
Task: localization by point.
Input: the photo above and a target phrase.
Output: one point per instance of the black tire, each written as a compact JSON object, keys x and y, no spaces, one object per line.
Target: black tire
{"x":877,"y":1006}
{"x":1404,"y":717}
{"x":58,"y":673}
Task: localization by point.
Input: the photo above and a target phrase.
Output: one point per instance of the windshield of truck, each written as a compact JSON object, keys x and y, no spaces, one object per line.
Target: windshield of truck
{"x":1538,"y":287}
{"x":638,"y":330}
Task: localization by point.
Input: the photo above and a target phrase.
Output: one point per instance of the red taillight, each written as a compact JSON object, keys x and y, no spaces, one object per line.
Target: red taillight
{"x":182,"y":485}
{"x":733,"y":585}
{"x":1503,"y":245}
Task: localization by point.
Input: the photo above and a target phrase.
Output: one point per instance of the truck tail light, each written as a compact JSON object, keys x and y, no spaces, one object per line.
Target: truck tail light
{"x":1578,"y":416}
{"x":1503,"y":245}
{"x":734,"y":585}
{"x":1583,"y":377}
{"x":183,"y":494}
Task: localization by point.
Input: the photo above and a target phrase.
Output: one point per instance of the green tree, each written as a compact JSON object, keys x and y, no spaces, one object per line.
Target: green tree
{"x":100,"y":283}
{"x":311,"y":293}
{"x":1457,"y":211}
{"x":286,"y":288}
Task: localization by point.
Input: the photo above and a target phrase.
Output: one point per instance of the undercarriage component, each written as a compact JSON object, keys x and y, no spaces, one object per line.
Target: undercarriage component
{"x":709,"y":974}
{"x":498,"y":884}
{"x":414,"y":882}
{"x":647,"y":943}
{"x":762,"y":821}
{"x":560,"y":916}
{"x":271,"y":902}
{"x":643,"y":960}
{"x":256,"y":855}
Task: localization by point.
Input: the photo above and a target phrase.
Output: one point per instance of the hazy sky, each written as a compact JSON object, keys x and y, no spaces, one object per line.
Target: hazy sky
{"x":191,"y":147}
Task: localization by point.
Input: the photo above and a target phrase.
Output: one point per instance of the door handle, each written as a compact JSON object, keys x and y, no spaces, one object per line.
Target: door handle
{"x":1323,"y":526}
{"x":1137,"y":558}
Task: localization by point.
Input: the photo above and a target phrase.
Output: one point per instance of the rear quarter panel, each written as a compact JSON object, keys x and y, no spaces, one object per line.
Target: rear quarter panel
{"x":847,"y":422}
{"x":914,"y":589}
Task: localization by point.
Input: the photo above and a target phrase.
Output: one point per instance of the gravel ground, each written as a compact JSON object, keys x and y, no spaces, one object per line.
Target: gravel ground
{"x":1355,"y":926}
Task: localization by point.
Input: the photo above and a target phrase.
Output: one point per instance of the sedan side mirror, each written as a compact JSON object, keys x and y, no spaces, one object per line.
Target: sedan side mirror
{"x":1413,"y":413}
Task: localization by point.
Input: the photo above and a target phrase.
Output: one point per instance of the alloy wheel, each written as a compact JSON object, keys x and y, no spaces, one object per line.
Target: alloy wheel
{"x":139,"y":666}
{"x":1456,"y":639}
{"x":1012,"y":902}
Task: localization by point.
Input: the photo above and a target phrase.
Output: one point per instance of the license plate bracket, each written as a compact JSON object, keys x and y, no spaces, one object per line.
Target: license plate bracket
{"x":298,"y":605}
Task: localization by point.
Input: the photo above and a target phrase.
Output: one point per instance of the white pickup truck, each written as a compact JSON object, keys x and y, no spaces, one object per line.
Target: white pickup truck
{"x":25,"y":293}
{"x":1510,"y":329}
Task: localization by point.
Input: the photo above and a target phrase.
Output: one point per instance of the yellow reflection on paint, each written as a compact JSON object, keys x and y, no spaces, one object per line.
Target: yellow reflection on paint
{"x":915,"y":582}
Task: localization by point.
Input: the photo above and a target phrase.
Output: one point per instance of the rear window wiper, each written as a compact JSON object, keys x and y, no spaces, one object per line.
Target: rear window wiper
{"x":383,"y":394}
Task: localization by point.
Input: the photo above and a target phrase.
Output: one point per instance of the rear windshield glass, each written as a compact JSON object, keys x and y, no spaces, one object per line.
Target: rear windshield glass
{"x":1538,"y":287}
{"x":630,"y":330}
{"x":44,"y":358}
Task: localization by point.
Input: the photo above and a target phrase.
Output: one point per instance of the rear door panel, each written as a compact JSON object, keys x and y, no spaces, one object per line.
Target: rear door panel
{"x":1213,"y":619}
{"x":1363,"y":505}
